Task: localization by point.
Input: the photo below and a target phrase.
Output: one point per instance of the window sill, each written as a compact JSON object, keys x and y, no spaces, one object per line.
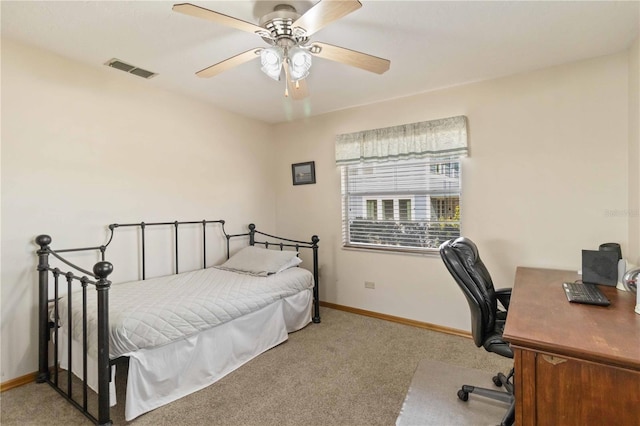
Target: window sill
{"x":393,"y":250}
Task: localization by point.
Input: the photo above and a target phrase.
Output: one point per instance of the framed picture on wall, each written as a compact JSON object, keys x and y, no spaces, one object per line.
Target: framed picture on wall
{"x":303,"y":173}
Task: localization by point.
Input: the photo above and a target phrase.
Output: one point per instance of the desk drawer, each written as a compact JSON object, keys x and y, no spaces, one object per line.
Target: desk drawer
{"x":566,"y":391}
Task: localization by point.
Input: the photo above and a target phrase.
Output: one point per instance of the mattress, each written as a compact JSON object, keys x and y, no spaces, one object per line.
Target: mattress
{"x":158,"y":311}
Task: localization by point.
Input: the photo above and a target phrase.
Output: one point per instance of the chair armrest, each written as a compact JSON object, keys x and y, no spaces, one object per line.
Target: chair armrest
{"x":504,"y":297}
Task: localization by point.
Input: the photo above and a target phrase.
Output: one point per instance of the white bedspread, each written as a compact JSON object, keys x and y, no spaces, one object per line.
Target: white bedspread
{"x":158,"y":311}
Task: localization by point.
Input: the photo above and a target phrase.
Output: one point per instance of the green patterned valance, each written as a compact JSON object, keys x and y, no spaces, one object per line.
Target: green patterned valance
{"x":438,"y":139}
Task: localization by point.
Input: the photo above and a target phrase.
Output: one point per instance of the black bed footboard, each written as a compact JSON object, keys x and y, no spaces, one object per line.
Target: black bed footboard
{"x":98,"y":280}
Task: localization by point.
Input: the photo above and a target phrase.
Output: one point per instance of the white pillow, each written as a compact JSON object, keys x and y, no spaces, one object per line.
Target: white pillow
{"x":259,"y":261}
{"x":295,"y":261}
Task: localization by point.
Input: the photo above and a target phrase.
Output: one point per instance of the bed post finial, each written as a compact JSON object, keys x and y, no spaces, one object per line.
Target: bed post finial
{"x":43,"y":308}
{"x":252,"y":234}
{"x":103,"y":269}
{"x":43,"y":241}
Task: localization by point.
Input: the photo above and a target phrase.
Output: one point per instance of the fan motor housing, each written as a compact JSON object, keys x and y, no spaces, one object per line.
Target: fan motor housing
{"x":279,"y":24}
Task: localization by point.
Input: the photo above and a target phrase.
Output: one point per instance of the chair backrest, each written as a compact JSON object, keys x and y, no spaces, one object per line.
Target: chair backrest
{"x":463,"y":262}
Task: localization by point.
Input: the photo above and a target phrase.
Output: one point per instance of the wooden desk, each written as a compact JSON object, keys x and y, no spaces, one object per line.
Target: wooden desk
{"x":574,"y":364}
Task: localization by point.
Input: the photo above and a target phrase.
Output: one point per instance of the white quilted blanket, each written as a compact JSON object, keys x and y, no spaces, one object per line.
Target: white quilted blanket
{"x":154,"y":312}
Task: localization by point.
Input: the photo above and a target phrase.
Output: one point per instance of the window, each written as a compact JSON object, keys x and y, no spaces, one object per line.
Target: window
{"x":445,"y":207}
{"x":401,"y":205}
{"x":388,"y":209}
{"x":448,"y":169}
{"x":372,"y":209}
{"x":404,"y":209}
{"x":401,"y":185}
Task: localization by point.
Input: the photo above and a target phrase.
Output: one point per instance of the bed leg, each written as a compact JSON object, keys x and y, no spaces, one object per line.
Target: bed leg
{"x":43,"y":310}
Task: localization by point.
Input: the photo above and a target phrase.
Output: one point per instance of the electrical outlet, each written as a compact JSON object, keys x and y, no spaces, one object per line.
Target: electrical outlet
{"x":369,"y":284}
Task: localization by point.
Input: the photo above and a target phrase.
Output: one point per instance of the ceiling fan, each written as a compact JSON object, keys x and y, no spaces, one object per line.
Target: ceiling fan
{"x":290,"y":50}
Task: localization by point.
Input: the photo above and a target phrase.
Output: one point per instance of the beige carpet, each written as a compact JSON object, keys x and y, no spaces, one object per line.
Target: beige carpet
{"x":348,"y":370}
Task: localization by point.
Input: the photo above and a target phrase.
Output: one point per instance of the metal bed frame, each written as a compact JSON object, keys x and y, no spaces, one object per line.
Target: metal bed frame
{"x":98,"y":279}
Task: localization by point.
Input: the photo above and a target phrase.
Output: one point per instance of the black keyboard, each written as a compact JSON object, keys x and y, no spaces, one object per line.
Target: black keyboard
{"x":585,"y":293}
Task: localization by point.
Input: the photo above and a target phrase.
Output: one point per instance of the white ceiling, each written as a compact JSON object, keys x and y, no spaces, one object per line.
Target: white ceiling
{"x":431,"y":45}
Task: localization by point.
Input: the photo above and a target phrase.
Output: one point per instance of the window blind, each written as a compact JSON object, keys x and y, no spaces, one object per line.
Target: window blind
{"x":406,"y":205}
{"x":401,"y":185}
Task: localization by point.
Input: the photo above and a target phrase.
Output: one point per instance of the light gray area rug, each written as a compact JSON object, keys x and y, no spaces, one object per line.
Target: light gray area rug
{"x":347,"y":370}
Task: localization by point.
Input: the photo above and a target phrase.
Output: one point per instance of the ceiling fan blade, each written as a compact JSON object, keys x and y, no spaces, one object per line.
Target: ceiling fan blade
{"x":297,"y":90}
{"x":234,"y":61}
{"x":219,"y":18}
{"x":324,"y":13}
{"x":351,"y":57}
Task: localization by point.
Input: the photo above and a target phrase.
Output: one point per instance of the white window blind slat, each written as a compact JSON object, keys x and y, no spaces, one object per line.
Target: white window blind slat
{"x":413,"y":204}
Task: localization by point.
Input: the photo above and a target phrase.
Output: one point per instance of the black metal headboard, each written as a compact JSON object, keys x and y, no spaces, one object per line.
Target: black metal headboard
{"x":279,"y":241}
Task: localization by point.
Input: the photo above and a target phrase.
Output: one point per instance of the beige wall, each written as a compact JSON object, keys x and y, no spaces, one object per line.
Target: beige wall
{"x":546,"y":177}
{"x":634,"y":153}
{"x":84,"y":147}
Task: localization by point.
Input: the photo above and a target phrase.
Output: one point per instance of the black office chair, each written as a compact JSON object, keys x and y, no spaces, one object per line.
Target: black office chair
{"x":487,"y":319}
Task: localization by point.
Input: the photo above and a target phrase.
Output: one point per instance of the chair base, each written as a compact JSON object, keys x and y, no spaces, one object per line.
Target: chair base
{"x":506,"y":396}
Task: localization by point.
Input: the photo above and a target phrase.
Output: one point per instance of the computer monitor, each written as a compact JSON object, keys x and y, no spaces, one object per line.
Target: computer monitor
{"x":600,"y":267}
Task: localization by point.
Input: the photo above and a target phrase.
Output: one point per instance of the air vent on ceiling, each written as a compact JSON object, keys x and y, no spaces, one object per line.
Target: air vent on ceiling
{"x":131,"y":69}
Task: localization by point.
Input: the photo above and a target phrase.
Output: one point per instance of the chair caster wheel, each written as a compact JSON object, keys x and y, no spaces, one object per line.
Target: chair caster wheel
{"x":462,"y":395}
{"x":497,"y":381}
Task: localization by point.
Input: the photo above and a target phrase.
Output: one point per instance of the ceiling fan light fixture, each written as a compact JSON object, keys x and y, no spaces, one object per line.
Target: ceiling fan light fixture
{"x":299,"y":63}
{"x":271,"y":59}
